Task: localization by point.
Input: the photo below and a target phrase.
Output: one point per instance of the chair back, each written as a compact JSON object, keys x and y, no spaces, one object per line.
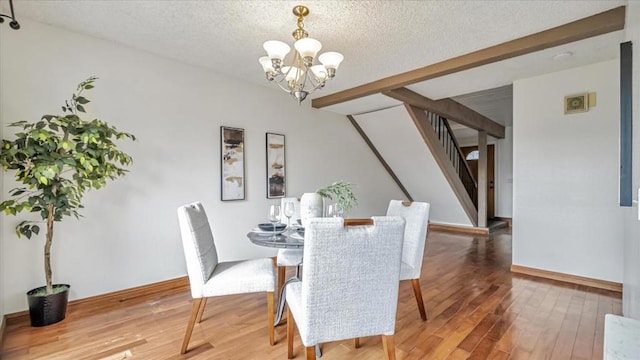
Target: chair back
{"x":416,"y":215}
{"x":199,"y":247}
{"x":350,"y":278}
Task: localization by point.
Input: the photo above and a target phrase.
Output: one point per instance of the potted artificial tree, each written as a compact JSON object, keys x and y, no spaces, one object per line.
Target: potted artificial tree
{"x":57,"y":159}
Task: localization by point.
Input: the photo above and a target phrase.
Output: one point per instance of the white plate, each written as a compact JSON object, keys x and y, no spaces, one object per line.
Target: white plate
{"x":262,"y":232}
{"x":296,"y":236}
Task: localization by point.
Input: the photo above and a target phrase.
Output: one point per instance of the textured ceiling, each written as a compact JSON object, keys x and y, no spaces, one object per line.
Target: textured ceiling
{"x":496,"y":103}
{"x":378,"y":38}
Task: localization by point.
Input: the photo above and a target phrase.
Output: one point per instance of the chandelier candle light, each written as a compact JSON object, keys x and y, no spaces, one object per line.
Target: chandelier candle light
{"x":299,"y":77}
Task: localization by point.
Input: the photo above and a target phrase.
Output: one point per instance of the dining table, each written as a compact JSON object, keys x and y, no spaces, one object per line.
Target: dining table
{"x":286,"y":239}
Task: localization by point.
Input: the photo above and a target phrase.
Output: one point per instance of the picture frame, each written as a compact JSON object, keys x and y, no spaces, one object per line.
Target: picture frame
{"x":576,"y":103}
{"x":232,"y":174}
{"x":276,"y":166}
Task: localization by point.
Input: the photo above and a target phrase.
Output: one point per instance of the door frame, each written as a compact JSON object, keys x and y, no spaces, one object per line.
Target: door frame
{"x":473,"y":165}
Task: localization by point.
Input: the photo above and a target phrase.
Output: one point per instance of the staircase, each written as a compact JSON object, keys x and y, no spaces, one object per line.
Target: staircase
{"x":438,"y":136}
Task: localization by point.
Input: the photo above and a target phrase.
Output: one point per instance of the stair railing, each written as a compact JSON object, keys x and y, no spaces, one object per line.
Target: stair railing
{"x":452,"y":148}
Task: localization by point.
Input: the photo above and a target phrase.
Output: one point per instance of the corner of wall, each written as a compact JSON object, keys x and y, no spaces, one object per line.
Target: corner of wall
{"x":631,"y":270}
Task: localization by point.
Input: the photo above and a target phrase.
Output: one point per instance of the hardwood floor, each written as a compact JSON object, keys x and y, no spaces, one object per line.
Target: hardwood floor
{"x":476,"y":309}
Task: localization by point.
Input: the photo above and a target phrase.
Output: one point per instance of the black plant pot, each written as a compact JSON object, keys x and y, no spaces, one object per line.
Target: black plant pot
{"x":48,"y":309}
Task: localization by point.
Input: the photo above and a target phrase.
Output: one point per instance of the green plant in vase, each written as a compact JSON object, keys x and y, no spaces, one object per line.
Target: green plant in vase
{"x":57,"y":159}
{"x":343,"y":193}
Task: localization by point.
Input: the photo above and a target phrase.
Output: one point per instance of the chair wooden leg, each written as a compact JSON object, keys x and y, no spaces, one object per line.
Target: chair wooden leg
{"x":201,"y":311}
{"x":389,"y":346}
{"x":270,"y":317}
{"x":418,"y":293}
{"x":311,"y":352}
{"x":290,"y":328}
{"x":282,"y":272}
{"x":195,"y":309}
{"x":356,"y":342}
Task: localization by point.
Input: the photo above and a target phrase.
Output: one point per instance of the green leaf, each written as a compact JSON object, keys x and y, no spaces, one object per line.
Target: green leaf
{"x":82,"y":100}
{"x":80,"y":108}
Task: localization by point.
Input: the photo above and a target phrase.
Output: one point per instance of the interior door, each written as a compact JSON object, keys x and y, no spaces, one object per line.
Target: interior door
{"x":473,"y":165}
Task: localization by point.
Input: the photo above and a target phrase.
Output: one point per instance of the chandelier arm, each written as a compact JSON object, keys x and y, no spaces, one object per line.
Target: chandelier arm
{"x":285,"y":88}
{"x":280,"y":79}
{"x":315,"y":85}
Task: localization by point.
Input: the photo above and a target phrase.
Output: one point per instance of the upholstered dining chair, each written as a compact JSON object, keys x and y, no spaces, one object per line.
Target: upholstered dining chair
{"x":416,"y":215}
{"x":349,"y":286}
{"x":288,"y":257}
{"x":208,"y":277}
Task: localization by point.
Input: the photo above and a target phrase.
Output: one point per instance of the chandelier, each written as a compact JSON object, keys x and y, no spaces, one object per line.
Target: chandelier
{"x":299,"y":77}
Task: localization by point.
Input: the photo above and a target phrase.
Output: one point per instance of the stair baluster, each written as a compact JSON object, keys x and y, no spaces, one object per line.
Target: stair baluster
{"x":450,"y":144}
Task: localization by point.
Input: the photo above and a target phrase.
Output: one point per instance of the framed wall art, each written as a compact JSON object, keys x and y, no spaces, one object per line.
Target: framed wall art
{"x":232,"y":163}
{"x":276,"y":174}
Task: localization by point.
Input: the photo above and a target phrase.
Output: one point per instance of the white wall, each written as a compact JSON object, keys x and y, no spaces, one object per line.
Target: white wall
{"x":631,"y":281}
{"x":504,"y":174}
{"x":129,"y":235}
{"x":566,"y":216}
{"x":394,"y":134}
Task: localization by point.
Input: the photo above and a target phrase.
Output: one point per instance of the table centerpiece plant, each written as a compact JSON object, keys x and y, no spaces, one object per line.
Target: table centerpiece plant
{"x":343,"y":193}
{"x":57,"y":159}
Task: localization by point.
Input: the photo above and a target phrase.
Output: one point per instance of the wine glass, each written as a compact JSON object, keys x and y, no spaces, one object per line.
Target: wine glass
{"x":289,"y":210}
{"x":274,"y":215}
{"x":332,"y":210}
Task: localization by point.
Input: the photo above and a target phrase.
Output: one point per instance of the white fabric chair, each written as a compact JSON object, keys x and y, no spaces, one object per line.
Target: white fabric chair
{"x":349,"y":286}
{"x":416,"y":215}
{"x":208,"y":277}
{"x":288,"y":257}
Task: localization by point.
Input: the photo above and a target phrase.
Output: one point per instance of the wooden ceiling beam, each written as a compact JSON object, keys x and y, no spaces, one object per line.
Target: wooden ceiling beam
{"x":450,"y":109}
{"x":602,"y":23}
